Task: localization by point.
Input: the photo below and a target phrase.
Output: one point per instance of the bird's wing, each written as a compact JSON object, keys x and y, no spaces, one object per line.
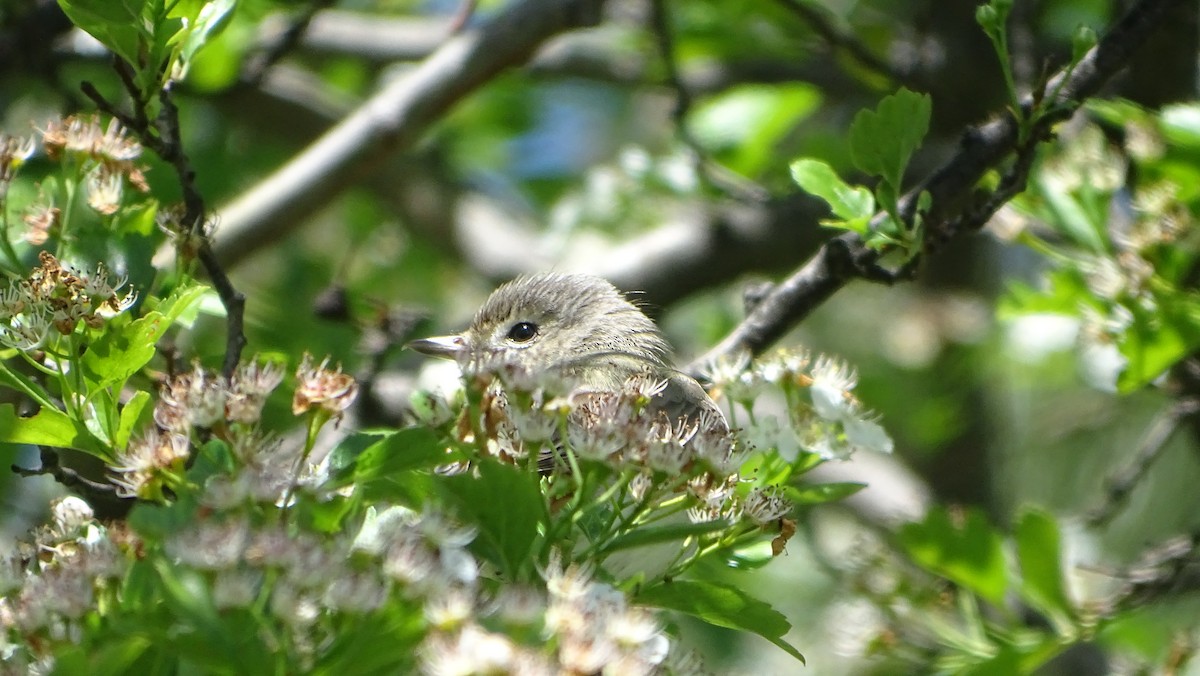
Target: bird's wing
{"x":683,"y":397}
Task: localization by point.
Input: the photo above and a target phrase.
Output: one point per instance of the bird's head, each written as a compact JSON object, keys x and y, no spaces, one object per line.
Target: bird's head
{"x":567,"y":323}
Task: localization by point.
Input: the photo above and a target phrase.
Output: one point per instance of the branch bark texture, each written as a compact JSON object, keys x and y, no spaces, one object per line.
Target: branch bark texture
{"x":393,"y":120}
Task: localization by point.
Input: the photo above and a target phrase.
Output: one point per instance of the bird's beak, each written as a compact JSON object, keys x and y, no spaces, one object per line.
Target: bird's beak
{"x":440,"y":346}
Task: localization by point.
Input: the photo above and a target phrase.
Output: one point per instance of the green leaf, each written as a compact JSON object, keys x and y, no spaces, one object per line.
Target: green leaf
{"x":370,"y":456}
{"x":655,"y":534}
{"x":1039,"y":551}
{"x":205,"y":25}
{"x":117,"y":24}
{"x":854,"y":205}
{"x":744,"y":125}
{"x":820,"y":493}
{"x":721,"y":605}
{"x":1158,"y":339}
{"x":1069,"y":216}
{"x":20,"y":382}
{"x":115,"y":656}
{"x":326,"y":516}
{"x":1066,"y":294}
{"x":156,"y":522}
{"x":101,"y":421}
{"x":505,"y":503}
{"x":48,"y":427}
{"x":131,"y":417}
{"x":883,"y":140}
{"x":969,"y":553}
{"x":183,"y":303}
{"x":1180,"y":123}
{"x":123,"y":350}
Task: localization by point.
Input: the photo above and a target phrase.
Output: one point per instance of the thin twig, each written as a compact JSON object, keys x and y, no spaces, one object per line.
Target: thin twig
{"x":1168,"y":569}
{"x":258,"y":64}
{"x":1154,"y":443}
{"x":711,"y":172}
{"x":68,"y":477}
{"x":842,"y":41}
{"x":165,"y":139}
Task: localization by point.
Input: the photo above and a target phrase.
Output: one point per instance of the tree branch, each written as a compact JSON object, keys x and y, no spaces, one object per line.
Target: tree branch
{"x":257,"y":65}
{"x":393,"y":120}
{"x":1120,"y":485}
{"x":846,"y":257}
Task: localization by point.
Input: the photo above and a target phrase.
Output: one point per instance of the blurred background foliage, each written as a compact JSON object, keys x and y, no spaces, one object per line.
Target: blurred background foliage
{"x":559,"y":164}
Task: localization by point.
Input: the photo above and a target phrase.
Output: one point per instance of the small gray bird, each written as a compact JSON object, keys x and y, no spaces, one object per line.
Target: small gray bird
{"x":578,"y":328}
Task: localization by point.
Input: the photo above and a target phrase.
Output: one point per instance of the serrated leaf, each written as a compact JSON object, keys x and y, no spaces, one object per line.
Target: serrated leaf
{"x":969,"y":553}
{"x":721,"y":605}
{"x":854,"y":205}
{"x":123,"y":350}
{"x":883,"y":140}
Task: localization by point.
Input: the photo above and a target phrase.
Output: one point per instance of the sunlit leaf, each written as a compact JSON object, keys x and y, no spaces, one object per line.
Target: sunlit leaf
{"x":853,"y":205}
{"x":968,"y":551}
{"x":48,"y":427}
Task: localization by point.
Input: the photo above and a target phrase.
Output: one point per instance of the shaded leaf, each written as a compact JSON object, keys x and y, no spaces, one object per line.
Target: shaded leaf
{"x":505,"y":503}
{"x":883,"y":140}
{"x":1039,"y":551}
{"x":655,"y":534}
{"x":721,"y":605}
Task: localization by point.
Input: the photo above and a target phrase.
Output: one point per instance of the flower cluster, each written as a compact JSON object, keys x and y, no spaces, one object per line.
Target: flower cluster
{"x":322,"y":388}
{"x":57,"y":298}
{"x":267,"y":468}
{"x":398,"y":557}
{"x":110,"y":154}
{"x":200,"y":398}
{"x":658,"y":466}
{"x":596,"y":629}
{"x":821,"y":412}
{"x":48,"y":588}
{"x":582,"y":626}
{"x":14,"y":151}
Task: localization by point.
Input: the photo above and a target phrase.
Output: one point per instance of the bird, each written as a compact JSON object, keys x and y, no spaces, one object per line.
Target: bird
{"x":581,"y":330}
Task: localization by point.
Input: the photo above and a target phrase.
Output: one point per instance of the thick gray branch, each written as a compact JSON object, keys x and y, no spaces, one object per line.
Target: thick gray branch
{"x":393,"y":120}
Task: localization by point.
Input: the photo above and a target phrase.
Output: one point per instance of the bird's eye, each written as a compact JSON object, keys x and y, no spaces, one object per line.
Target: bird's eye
{"x":522,"y":332}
